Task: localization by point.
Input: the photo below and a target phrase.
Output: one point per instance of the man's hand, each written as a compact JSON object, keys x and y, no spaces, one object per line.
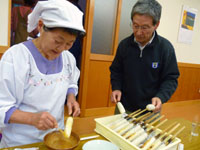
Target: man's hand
{"x":156,"y":101}
{"x":73,"y":106}
{"x":116,"y":96}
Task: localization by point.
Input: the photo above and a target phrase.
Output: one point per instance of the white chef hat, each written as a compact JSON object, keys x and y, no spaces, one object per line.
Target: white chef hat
{"x":56,"y":13}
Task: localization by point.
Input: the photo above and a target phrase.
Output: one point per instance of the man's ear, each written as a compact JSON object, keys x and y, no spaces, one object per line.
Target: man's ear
{"x":156,"y":26}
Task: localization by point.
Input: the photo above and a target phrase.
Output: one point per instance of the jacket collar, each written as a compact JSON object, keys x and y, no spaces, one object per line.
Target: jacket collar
{"x":152,"y":43}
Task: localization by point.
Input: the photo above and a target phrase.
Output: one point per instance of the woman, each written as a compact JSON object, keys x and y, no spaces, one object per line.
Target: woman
{"x":36,"y":76}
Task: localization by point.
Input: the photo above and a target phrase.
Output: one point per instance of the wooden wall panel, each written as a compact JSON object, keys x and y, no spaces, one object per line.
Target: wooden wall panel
{"x":98,"y":84}
{"x":188,"y":83}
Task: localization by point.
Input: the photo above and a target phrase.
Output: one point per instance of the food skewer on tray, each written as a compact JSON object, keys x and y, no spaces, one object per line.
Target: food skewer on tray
{"x":161,"y":135}
{"x":125,"y":128}
{"x":146,"y":128}
{"x":169,"y":139}
{"x":129,"y":117}
{"x":141,"y":129}
{"x":126,"y":133}
{"x":118,"y":121}
{"x":150,"y":141}
{"x":145,"y":135}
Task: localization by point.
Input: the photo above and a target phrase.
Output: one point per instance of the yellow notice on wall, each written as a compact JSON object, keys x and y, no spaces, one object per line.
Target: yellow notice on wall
{"x":187,"y":23}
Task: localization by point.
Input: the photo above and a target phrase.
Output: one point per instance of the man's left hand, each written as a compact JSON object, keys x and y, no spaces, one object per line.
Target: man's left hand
{"x":156,"y":101}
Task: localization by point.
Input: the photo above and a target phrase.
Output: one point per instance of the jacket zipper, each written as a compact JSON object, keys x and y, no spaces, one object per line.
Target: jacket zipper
{"x":141,"y":53}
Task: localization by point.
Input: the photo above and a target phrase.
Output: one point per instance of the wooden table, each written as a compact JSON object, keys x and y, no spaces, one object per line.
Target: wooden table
{"x":181,"y":112}
{"x":183,"y":109}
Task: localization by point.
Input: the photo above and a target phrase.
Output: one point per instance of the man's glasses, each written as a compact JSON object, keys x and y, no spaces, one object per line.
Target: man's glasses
{"x":142,"y":28}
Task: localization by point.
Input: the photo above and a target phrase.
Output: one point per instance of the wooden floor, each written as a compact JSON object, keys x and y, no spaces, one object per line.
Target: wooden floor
{"x":183,"y":109}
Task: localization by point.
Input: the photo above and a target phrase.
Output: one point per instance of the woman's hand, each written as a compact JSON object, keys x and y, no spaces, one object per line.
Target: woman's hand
{"x":72,"y":105}
{"x":41,"y":120}
{"x":44,"y":121}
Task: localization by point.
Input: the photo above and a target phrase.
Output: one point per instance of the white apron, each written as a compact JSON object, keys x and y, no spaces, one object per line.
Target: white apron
{"x":40,"y":93}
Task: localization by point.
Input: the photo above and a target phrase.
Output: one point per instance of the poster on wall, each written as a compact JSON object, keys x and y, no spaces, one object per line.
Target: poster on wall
{"x":187,"y":23}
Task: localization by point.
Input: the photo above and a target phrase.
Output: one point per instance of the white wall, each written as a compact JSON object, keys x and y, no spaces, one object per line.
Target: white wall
{"x":169,"y":27}
{"x":4,"y":7}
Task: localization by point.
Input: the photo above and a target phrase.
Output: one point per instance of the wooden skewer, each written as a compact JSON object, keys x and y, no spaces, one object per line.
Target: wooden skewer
{"x":133,"y":113}
{"x":168,"y":141}
{"x":139,"y":113}
{"x":147,"y":117}
{"x":120,"y":125}
{"x":145,"y":128}
{"x":170,"y":131}
{"x":151,"y":133}
{"x":146,"y":135}
{"x":143,"y":116}
{"x":174,"y":136}
{"x":152,"y":118}
{"x":126,"y":132}
{"x":158,"y":119}
{"x":124,"y":126}
{"x":127,"y":127}
{"x":166,"y":129}
{"x":174,"y":128}
{"x":114,"y":123}
{"x":129,"y":116}
{"x":159,"y":136}
{"x":156,"y":127}
{"x":169,"y":127}
{"x":161,"y":123}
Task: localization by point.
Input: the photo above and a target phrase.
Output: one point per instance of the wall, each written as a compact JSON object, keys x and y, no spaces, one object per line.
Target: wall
{"x":5,"y":17}
{"x":4,"y":7}
{"x":169,"y":27}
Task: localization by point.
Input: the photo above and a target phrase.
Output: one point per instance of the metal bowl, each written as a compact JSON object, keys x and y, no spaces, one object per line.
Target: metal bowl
{"x":56,"y":141}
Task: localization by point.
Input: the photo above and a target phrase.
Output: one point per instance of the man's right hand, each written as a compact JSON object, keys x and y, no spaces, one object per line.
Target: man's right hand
{"x":116,"y":96}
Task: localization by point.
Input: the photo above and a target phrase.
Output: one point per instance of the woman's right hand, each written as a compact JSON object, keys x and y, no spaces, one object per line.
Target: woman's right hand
{"x":43,"y":121}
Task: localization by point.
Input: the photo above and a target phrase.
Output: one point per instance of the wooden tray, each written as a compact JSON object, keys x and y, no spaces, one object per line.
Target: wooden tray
{"x":117,"y":139}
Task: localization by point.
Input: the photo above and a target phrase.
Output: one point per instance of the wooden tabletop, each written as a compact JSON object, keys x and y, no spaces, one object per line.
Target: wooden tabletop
{"x":182,"y":109}
{"x":182,"y":112}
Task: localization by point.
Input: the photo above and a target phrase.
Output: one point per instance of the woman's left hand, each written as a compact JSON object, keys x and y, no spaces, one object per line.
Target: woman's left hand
{"x":72,"y":105}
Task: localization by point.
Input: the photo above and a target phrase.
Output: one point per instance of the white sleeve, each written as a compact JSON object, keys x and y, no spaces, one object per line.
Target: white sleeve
{"x":75,"y":73}
{"x":12,"y":77}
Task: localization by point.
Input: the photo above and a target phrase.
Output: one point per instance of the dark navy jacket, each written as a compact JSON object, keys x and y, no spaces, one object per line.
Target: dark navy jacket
{"x":142,"y":78}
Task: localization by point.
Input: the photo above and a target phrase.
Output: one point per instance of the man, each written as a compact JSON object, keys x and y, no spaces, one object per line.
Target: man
{"x":145,"y":67}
